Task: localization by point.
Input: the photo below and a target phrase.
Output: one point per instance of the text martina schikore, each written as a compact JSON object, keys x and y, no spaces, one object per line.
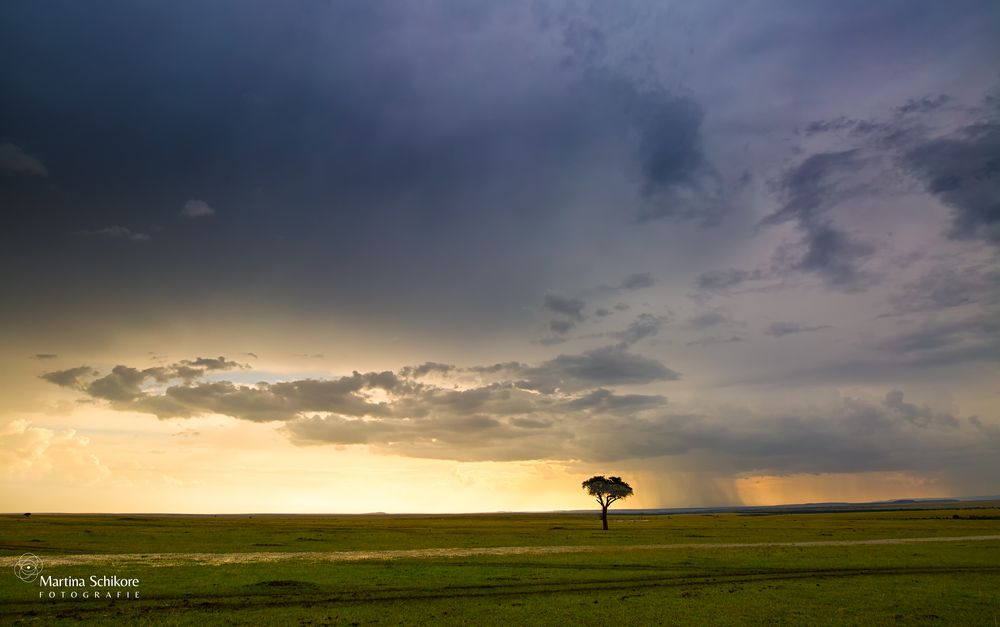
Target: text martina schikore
{"x":95,"y":587}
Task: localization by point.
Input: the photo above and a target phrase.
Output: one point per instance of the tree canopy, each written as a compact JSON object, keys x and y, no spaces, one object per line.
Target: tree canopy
{"x":607,"y":490}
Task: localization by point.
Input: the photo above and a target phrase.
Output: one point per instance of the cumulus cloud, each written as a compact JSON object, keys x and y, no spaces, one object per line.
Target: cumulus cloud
{"x":14,"y":160}
{"x":197,"y":209}
{"x":34,"y":452}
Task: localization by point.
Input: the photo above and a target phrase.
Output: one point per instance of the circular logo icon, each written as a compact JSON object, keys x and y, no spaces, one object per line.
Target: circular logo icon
{"x":28,"y":567}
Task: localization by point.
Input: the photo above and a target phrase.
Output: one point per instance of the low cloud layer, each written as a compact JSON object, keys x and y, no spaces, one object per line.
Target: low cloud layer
{"x":565,"y":408}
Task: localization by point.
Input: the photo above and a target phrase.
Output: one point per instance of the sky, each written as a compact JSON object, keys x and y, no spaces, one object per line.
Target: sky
{"x":467,"y":254}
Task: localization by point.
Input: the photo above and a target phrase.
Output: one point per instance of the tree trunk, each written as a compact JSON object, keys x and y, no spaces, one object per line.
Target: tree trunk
{"x":604,"y":517}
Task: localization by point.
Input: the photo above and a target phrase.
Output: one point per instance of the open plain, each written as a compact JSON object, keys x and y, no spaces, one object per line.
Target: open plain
{"x":905,"y":566}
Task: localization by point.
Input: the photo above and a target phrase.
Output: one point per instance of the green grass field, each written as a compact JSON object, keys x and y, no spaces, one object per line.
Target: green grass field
{"x":606,"y":579}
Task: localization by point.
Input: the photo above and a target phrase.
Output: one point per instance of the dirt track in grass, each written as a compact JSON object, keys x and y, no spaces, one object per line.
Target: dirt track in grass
{"x":219,"y":559}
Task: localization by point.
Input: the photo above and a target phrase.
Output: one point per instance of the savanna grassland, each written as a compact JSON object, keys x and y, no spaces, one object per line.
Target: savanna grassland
{"x":680,"y":569}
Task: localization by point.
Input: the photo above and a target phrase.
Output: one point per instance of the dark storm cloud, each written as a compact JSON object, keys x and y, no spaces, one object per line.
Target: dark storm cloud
{"x":814,"y":185}
{"x":811,"y":189}
{"x":335,"y":132}
{"x":780,"y":329}
{"x":678,"y":180}
{"x":963,"y":171}
{"x":956,"y":167}
{"x":432,"y":163}
{"x":959,"y":167}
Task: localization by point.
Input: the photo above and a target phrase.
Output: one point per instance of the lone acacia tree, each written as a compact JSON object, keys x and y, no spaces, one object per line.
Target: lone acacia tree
{"x":607,"y":490}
